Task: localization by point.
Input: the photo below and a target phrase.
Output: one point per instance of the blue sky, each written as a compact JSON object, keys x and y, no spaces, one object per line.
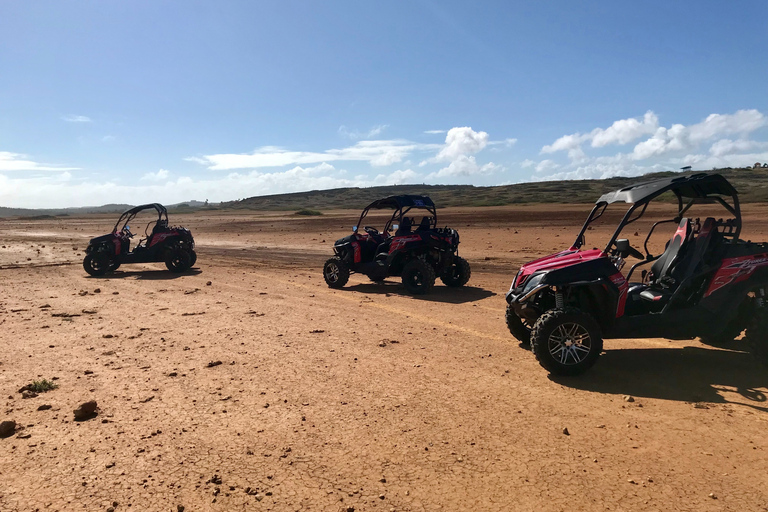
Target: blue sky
{"x":139,"y":101}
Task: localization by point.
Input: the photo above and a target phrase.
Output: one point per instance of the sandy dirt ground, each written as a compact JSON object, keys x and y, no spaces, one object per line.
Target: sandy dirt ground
{"x":358,"y":399}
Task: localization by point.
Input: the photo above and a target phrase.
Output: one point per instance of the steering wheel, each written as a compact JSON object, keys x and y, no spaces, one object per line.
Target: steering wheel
{"x":371,"y":231}
{"x":127,"y":231}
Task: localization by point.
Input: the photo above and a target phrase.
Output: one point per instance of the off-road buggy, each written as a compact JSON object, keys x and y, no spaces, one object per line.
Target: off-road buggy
{"x":707,"y":283}
{"x":161,"y":243}
{"x":418,"y":252}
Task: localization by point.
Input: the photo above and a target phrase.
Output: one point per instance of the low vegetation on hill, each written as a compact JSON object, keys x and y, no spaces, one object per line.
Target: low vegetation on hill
{"x":752,"y":185}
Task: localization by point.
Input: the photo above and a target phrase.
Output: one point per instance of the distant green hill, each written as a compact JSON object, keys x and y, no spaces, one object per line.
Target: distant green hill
{"x":752,"y":185}
{"x":42,"y":214}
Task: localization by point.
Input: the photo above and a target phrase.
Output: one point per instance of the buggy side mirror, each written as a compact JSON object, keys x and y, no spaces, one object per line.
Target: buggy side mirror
{"x":354,"y":229}
{"x":622,"y":247}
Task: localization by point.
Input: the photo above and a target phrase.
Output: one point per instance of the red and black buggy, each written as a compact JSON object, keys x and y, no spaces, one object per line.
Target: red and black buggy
{"x":707,"y":283}
{"x":161,"y":243}
{"x":418,"y":251}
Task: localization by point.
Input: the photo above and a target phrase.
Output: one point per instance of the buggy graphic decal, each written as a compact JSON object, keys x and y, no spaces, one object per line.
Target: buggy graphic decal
{"x":735,"y":270}
{"x":400,"y":242}
{"x":623,"y":285}
{"x":160,"y":237}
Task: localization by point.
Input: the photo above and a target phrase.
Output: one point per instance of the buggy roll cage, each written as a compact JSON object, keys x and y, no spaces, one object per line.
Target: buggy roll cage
{"x":698,"y":188}
{"x":128,"y":215}
{"x":401,"y":206}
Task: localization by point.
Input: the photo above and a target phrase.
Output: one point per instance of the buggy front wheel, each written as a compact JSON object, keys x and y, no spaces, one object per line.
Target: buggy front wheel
{"x":566,"y":341}
{"x":418,"y":277}
{"x":97,"y":264}
{"x":336,"y":272}
{"x":457,"y":274}
{"x":178,"y":260}
{"x":192,"y":258}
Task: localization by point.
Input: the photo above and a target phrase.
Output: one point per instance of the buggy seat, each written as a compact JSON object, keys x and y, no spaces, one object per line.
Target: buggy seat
{"x":680,"y":260}
{"x":425,"y":224}
{"x":405,"y":227}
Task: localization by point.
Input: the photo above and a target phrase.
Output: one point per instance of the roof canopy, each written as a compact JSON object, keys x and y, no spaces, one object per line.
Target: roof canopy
{"x":696,"y":186}
{"x":405,"y":201}
{"x":157,"y":206}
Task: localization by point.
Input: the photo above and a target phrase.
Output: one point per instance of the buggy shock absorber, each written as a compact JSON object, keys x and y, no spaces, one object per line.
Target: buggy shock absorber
{"x":559,"y":299}
{"x":760,"y":297}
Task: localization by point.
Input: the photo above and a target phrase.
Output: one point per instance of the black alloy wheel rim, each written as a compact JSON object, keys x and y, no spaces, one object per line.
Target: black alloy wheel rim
{"x":570,"y":343}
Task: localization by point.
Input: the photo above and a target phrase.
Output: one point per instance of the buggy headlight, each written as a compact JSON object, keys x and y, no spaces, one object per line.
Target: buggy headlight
{"x":533,"y":282}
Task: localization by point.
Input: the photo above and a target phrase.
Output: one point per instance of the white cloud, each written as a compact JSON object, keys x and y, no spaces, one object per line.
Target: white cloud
{"x":161,"y":175}
{"x":18,"y":162}
{"x":461,"y":141}
{"x":356,"y":135}
{"x":465,"y":166}
{"x":725,"y":147}
{"x":61,"y":190}
{"x":527,"y":163}
{"x":508,"y":143}
{"x":547,"y":166}
{"x":396,"y":178}
{"x":77,"y":119}
{"x":434,"y":132}
{"x":376,"y":152}
{"x":625,"y":131}
{"x":565,"y":142}
{"x":620,"y":132}
{"x":742,"y":122}
{"x":665,"y":148}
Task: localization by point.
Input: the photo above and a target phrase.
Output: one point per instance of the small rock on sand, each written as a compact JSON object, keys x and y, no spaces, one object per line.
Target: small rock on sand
{"x":7,"y":428}
{"x":28,"y":393}
{"x":86,"y":411}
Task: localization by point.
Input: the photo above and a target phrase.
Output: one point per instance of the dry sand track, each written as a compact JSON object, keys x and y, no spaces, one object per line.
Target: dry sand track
{"x":363,"y":398}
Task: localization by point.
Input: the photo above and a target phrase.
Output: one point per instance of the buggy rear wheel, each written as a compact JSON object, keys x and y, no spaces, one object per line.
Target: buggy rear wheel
{"x":456,"y":274}
{"x":566,"y":341}
{"x":336,"y":272}
{"x":757,"y":335}
{"x":418,"y":277}
{"x":734,"y":328}
{"x":193,"y":258}
{"x":178,"y":260}
{"x":97,"y":263}
{"x":518,"y":328}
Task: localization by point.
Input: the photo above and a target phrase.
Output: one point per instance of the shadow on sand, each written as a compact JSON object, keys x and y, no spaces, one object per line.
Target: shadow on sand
{"x":688,"y":374}
{"x":439,"y":293}
{"x":148,"y":275}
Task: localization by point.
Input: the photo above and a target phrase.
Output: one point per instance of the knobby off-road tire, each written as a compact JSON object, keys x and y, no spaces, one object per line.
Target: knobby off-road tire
{"x":178,"y":260}
{"x":457,"y":274}
{"x":96,"y":263}
{"x":418,"y":277}
{"x":566,"y":341}
{"x":336,"y":272}
{"x":114,"y":265}
{"x":757,"y":335}
{"x":192,"y":258}
{"x":734,"y":328}
{"x":518,"y":329}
